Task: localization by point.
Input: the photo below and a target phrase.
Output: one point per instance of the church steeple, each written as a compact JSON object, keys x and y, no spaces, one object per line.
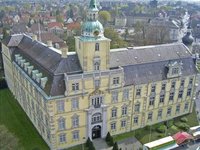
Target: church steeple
{"x":188,"y":39}
{"x":92,"y":27}
{"x":92,"y":47}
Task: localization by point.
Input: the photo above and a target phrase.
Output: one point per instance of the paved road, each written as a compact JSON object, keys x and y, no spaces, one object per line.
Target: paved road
{"x":191,"y":146}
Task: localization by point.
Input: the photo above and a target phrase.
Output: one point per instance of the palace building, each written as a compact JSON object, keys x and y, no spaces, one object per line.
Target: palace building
{"x":70,"y":96}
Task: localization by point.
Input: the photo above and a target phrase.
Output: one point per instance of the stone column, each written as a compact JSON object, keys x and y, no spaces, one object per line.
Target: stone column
{"x":89,"y":116}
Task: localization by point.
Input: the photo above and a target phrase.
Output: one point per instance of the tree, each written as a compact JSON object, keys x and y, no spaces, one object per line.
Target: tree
{"x":5,"y":33}
{"x":59,"y":18}
{"x":109,"y":139}
{"x":115,"y":146}
{"x":116,"y":41}
{"x":88,"y":142}
{"x":104,"y":16}
{"x":8,"y":140}
{"x":108,"y":136}
{"x":71,"y":43}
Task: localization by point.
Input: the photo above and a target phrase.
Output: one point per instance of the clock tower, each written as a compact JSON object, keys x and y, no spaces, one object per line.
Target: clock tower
{"x":93,"y":49}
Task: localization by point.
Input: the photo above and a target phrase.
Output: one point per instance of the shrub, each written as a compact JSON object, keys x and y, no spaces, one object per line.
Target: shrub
{"x":91,"y":146}
{"x":88,"y":142}
{"x":147,"y":127}
{"x":184,"y":119}
{"x":161,"y":129}
{"x":108,"y":136}
{"x":115,"y":146}
{"x":161,"y":135}
{"x":183,"y":126}
{"x":111,"y":142}
{"x":109,"y":139}
{"x":169,"y":123}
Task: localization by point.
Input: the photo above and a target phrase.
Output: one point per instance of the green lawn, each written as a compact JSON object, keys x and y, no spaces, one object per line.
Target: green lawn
{"x":16,"y":121}
{"x":149,"y":134}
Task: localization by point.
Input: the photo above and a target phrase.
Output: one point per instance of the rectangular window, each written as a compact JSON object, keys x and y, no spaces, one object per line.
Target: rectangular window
{"x":75,"y":121}
{"x":171,"y":96}
{"x":175,"y":71}
{"x":75,"y":104}
{"x":61,"y":124}
{"x":186,"y":106}
{"x":189,"y":92}
{"x":116,"y":80}
{"x":163,"y":87}
{"x":182,"y":83}
{"x":61,"y":106}
{"x":124,"y":110}
{"x":113,"y":126}
{"x":123,"y":123}
{"x":138,"y":92}
{"x":97,"y":101}
{"x":75,"y":135}
{"x":137,"y":107}
{"x":177,"y":108}
{"x":153,"y":89}
{"x":160,"y":113}
{"x":96,"y":46}
{"x":135,"y":120}
{"x":173,"y":85}
{"x":126,"y":94}
{"x":191,"y":81}
{"x":62,"y":138}
{"x":169,"y":111}
{"x":150,"y":116}
{"x":75,"y":86}
{"x":162,"y":98}
{"x":114,"y":112}
{"x":115,"y":96}
{"x":180,"y":94}
{"x":151,"y":101}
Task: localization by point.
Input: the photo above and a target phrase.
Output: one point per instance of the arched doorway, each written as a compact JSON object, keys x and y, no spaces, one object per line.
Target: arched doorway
{"x":96,"y":132}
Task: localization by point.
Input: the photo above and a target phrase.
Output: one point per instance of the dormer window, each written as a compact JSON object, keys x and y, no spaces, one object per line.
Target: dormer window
{"x":175,"y":71}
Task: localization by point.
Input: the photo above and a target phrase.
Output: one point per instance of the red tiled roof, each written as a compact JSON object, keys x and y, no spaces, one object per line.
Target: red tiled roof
{"x":181,"y":137}
{"x":55,"y":24}
{"x":73,"y":25}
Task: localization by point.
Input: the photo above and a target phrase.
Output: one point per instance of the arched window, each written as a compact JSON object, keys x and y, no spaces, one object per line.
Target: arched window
{"x":96,"y":66}
{"x":94,"y":17}
{"x":96,"y":118}
{"x":61,"y":123}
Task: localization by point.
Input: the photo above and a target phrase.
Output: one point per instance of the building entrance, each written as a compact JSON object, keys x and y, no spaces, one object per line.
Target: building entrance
{"x":96,"y":132}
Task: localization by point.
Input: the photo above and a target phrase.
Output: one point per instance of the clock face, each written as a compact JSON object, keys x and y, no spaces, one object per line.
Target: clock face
{"x":96,"y":33}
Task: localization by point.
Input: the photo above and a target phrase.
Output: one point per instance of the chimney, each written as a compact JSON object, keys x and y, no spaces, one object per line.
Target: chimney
{"x":64,"y":52}
{"x":49,"y":43}
{"x":34,"y":37}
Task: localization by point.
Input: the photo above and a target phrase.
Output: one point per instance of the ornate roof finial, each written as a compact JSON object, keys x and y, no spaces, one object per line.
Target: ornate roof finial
{"x":93,"y":5}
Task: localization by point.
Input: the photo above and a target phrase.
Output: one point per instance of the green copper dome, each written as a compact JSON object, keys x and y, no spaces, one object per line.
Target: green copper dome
{"x":92,"y":29}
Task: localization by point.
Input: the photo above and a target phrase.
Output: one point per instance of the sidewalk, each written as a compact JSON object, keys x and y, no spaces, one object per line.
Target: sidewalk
{"x":130,"y":144}
{"x":127,"y":144}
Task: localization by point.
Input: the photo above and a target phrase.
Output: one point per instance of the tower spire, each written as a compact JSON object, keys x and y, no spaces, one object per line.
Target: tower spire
{"x":93,"y":5}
